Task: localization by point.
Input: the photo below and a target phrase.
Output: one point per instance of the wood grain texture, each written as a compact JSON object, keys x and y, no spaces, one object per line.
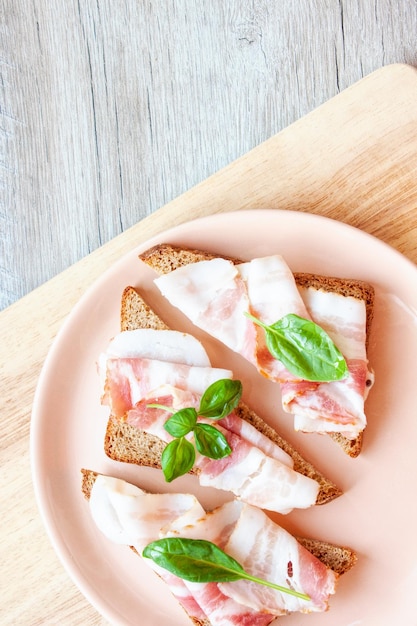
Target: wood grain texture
{"x":111,"y":109}
{"x":372,"y":123}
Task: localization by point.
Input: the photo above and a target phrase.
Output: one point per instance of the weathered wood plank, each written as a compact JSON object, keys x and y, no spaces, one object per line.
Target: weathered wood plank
{"x":110,"y":110}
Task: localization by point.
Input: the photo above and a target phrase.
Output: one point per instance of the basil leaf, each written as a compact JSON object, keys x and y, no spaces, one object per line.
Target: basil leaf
{"x":177,"y":458}
{"x":220,"y":398}
{"x":196,"y":560}
{"x":201,"y":561}
{"x":181,"y":422}
{"x":211,"y":442}
{"x":304,"y":348}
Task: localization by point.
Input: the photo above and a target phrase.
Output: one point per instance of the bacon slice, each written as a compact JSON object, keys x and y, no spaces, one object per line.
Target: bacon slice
{"x":249,"y":433}
{"x":167,"y":345}
{"x":138,"y":361}
{"x":257,"y":478}
{"x":214,"y":297}
{"x":153,"y":420}
{"x":269,"y":552}
{"x":128,"y":381}
{"x":127,"y":515}
{"x":341,"y":402}
{"x":272,"y":294}
{"x":266,"y":288}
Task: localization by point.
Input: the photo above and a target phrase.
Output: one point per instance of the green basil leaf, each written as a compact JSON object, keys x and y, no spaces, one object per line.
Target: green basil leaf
{"x":211,"y":442}
{"x":201,"y":561}
{"x":220,"y":398}
{"x":196,"y":560}
{"x":304,"y":348}
{"x":182,"y":422}
{"x":177,"y":458}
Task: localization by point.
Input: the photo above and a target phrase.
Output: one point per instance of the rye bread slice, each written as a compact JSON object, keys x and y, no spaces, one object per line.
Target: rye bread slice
{"x":127,"y":444}
{"x":136,"y":313}
{"x":164,"y":258}
{"x":338,"y":558}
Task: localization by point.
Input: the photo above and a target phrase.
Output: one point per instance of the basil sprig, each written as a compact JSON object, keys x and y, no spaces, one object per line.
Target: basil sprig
{"x":201,"y":561}
{"x":304,"y":348}
{"x":178,"y":456}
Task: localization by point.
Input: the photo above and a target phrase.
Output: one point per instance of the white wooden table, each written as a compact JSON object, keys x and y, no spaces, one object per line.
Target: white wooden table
{"x":111,"y":109}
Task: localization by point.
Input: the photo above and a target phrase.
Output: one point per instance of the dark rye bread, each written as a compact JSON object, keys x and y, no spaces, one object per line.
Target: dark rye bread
{"x":165,"y":258}
{"x":136,"y":313}
{"x":339,"y":559}
{"x":127,"y":444}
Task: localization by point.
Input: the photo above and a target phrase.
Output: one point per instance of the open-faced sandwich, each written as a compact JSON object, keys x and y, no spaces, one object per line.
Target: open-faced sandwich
{"x":232,"y":565}
{"x":154,"y":377}
{"x":306,"y":332}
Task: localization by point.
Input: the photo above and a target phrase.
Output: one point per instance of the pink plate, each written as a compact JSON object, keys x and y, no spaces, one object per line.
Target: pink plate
{"x":377,"y":515}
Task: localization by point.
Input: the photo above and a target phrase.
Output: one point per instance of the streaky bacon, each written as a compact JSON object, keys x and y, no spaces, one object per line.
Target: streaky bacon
{"x":235,"y":424}
{"x":267,"y":551}
{"x":129,"y":380}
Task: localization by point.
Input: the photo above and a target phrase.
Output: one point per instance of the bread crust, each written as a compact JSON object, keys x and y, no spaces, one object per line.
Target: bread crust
{"x":164,"y":258}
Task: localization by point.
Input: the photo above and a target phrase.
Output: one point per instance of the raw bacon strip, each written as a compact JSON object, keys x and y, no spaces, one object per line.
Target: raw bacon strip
{"x":222,"y":610}
{"x":129,"y":516}
{"x":226,"y":525}
{"x":336,"y":406}
{"x":152,"y":420}
{"x":213,"y":296}
{"x":267,"y":551}
{"x":129,"y":380}
{"x":181,"y":592}
{"x":257,"y":478}
{"x":218,"y":306}
{"x":245,"y":430}
{"x":138,"y":361}
{"x":272,"y":294}
{"x":342,"y":317}
{"x":165,"y":345}
{"x":216,"y":526}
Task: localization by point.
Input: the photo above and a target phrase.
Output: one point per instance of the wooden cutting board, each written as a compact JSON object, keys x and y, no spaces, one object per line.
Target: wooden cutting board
{"x":353,"y":159}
